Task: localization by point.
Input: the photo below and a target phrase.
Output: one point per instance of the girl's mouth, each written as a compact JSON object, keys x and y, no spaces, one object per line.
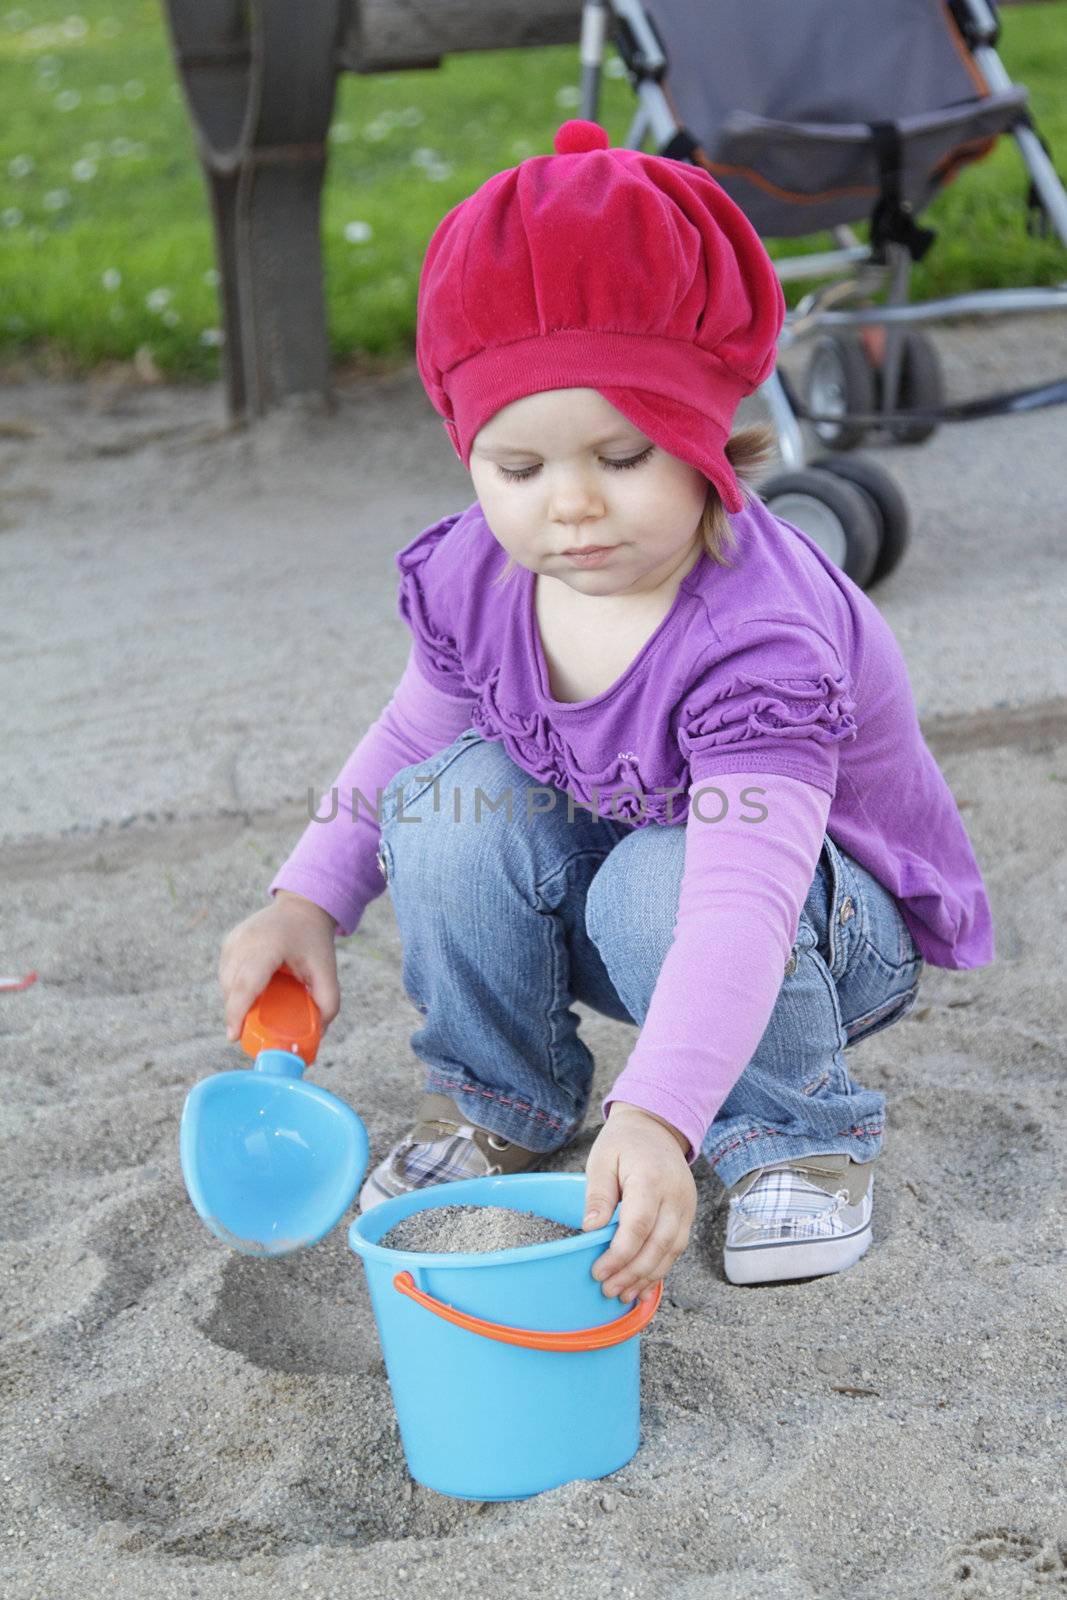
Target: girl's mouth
{"x":589,"y":558}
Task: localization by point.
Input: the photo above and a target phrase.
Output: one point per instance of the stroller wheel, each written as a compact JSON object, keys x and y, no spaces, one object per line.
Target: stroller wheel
{"x":842,"y":519}
{"x":891,"y":506}
{"x":840,"y":380}
{"x":922,"y":387}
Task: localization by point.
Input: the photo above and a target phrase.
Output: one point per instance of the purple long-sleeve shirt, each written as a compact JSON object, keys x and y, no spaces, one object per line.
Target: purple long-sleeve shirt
{"x":776,"y":672}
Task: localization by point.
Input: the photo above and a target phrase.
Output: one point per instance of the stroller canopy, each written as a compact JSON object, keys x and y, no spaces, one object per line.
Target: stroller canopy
{"x":810,"y":113}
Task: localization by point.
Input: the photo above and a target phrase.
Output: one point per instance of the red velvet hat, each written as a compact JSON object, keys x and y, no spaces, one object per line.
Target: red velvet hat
{"x":631,"y":274}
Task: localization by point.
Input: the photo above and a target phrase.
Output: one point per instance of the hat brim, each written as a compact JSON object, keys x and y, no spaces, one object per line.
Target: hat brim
{"x":682,"y":431}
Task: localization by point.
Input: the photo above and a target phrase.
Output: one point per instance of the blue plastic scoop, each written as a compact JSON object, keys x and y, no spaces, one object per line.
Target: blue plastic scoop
{"x":272,"y":1163}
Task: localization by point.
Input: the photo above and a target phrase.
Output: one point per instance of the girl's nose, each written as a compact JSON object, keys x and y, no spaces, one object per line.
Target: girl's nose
{"x":575,"y":498}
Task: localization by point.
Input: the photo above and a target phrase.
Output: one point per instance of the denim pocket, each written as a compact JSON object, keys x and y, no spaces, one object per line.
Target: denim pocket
{"x":879,"y":978}
{"x":846,"y":911}
{"x":892,"y":1008}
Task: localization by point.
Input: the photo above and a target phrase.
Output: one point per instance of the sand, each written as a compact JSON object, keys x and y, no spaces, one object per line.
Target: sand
{"x":196,"y":629}
{"x":473,"y":1230}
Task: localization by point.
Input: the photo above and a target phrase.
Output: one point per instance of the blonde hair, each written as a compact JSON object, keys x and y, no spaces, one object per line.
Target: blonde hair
{"x":748,"y":452}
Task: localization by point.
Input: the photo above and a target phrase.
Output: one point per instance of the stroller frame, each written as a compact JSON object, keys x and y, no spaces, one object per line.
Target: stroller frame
{"x":860,"y":269}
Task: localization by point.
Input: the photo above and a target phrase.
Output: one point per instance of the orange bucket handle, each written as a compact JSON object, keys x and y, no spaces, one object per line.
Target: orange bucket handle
{"x":598,"y":1338}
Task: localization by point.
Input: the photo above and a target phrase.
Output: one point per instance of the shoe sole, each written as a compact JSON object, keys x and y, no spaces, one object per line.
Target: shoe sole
{"x":795,"y":1258}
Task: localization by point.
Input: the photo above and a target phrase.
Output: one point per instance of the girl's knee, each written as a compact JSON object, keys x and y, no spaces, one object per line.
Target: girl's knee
{"x":453,"y":784}
{"x":632,"y":903}
{"x":458,"y":820}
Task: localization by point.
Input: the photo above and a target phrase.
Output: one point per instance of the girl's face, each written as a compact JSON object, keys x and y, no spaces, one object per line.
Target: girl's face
{"x":563,"y":471}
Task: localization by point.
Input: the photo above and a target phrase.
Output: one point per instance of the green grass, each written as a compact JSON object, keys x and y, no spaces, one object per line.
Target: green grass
{"x":105,"y":238}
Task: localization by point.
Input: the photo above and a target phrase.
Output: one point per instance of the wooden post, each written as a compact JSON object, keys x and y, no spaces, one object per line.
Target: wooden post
{"x":259,"y":82}
{"x":259,"y":79}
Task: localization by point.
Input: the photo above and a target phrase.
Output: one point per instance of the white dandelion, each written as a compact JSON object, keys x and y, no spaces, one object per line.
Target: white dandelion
{"x":68,"y":100}
{"x":432,"y":164}
{"x":158,"y":299}
{"x":133,"y":89}
{"x":382,"y":126}
{"x":56,"y":199}
{"x":212,"y":338}
{"x":568,"y":96}
{"x":211,"y":276}
{"x":20,"y":166}
{"x":83,"y":171}
{"x":111,"y":278}
{"x":105,"y":94}
{"x":11,"y":217}
{"x":358,"y":232}
{"x":74,"y":28}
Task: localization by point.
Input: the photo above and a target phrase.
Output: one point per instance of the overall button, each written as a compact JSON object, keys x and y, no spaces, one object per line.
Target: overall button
{"x":847,"y":911}
{"x":381,"y":863}
{"x":791,"y":966}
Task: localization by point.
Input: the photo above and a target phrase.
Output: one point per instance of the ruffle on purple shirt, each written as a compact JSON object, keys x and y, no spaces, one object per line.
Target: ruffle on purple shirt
{"x":536,"y":746}
{"x":436,"y":648}
{"x":747,"y":708}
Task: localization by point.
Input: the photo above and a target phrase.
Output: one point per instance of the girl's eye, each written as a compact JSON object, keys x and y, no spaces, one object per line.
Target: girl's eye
{"x":517,"y":476}
{"x":631,"y":461}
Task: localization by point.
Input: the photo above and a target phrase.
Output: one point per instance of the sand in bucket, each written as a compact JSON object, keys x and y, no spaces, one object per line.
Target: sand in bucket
{"x":473,"y":1229}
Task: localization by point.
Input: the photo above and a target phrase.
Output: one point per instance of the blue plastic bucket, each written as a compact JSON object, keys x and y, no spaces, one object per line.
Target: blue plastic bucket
{"x":482,"y":1415}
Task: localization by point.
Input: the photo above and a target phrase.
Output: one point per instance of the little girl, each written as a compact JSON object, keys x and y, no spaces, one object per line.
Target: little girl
{"x":663,"y":759}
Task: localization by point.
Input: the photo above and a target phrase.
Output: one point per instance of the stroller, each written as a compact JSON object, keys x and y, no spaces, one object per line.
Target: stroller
{"x":813,"y":116}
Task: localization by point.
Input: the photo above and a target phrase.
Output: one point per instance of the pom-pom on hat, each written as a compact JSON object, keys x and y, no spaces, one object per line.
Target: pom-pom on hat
{"x":632,"y":274}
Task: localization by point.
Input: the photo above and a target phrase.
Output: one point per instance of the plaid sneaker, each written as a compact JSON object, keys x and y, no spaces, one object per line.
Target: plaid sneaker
{"x":798,"y":1219}
{"x":442,"y":1147}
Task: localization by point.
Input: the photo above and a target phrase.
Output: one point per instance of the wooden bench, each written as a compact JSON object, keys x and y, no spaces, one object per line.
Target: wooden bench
{"x":259,"y":79}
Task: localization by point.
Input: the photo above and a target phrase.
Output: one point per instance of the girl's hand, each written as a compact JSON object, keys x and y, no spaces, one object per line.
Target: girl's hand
{"x":642,"y":1158}
{"x":290,"y":930}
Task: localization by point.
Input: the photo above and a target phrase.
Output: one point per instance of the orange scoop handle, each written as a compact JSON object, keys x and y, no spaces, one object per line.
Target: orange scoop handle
{"x":283,"y":1017}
